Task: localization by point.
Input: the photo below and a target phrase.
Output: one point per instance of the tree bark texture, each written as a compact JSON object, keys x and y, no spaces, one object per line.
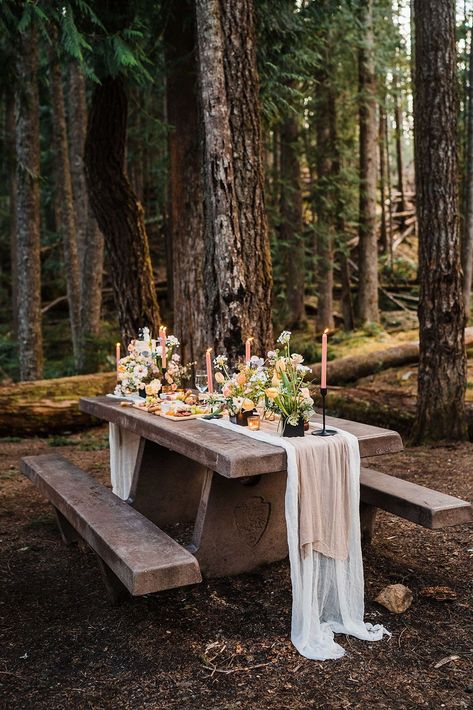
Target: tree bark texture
{"x":291,"y":224}
{"x":10,"y":159}
{"x":119,"y":214}
{"x":368,"y":310}
{"x":89,"y":238}
{"x":77,"y":126}
{"x":398,"y":136}
{"x":442,"y":363}
{"x":467,"y":241}
{"x":242,"y":83}
{"x":65,"y":201}
{"x":238,"y":270}
{"x":27,"y":209}
{"x":326,"y":161}
{"x":382,"y":177}
{"x":186,"y":187}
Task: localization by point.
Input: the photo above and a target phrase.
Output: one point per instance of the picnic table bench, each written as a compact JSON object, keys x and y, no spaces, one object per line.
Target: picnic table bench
{"x":228,"y":487}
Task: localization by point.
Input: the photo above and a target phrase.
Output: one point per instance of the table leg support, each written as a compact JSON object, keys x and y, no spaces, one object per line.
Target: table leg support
{"x":68,"y":533}
{"x":115,"y":589}
{"x":240,"y":524}
{"x":166,"y":486}
{"x":367,"y":522}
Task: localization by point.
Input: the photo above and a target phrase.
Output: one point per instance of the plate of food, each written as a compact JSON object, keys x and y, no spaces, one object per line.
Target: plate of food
{"x":180,"y":411}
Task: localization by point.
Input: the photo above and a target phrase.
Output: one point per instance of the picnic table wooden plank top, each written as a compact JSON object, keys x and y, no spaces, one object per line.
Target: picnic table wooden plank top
{"x":229,"y":453}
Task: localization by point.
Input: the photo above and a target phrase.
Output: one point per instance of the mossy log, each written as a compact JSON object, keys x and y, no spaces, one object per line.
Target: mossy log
{"x":352,"y":368}
{"x":389,"y":407}
{"x":50,"y":406}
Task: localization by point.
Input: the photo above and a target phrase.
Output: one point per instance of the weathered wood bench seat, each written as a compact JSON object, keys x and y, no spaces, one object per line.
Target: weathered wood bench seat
{"x":408,"y":500}
{"x":135,"y":552}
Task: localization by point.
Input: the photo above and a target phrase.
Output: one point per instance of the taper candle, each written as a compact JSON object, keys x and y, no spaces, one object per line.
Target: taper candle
{"x":248,"y":349}
{"x":117,"y":356}
{"x":208,"y":363}
{"x":323,"y":375}
{"x":162,"y":338}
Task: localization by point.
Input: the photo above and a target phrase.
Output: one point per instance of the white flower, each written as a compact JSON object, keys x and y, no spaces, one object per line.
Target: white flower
{"x":303,"y":368}
{"x":256,"y":361}
{"x":176,"y":357}
{"x":285,"y":337}
{"x":153,"y":387}
{"x":220,"y":360}
{"x":159,"y":351}
{"x":272,"y":355}
{"x":172,"y":341}
{"x":237,"y":403}
{"x":260,"y":376}
{"x":296,"y":358}
{"x":140,"y":371}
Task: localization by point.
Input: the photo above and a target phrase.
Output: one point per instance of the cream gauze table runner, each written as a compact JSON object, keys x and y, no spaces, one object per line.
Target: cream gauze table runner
{"x":123,"y":452}
{"x":323,"y":532}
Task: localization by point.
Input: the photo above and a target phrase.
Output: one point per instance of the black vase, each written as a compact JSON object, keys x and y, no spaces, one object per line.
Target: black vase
{"x":291,"y":430}
{"x":142,"y":393}
{"x":241,"y":418}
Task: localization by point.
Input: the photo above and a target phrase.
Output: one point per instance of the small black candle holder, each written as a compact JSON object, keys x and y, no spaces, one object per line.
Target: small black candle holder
{"x":324,"y":431}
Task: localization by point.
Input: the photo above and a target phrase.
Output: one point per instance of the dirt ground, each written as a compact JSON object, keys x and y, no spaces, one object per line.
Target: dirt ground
{"x":224,"y":644}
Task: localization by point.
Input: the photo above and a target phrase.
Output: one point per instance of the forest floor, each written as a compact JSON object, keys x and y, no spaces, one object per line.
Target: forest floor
{"x":224,"y":644}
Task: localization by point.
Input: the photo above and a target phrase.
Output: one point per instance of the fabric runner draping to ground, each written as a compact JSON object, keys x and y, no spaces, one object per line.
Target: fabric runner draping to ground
{"x":327,"y":591}
{"x":123,"y":452}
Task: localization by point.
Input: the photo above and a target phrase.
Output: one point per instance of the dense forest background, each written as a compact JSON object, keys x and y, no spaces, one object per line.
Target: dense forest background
{"x":107,"y":136}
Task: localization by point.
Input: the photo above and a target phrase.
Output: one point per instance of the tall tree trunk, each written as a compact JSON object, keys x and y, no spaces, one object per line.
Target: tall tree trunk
{"x":65,"y":203}
{"x":238,"y":267}
{"x":326,"y":136}
{"x":389,"y":231}
{"x":185,"y":184}
{"x":10,"y":159}
{"x":135,"y":146}
{"x":382,"y":177}
{"x":242,"y":84}
{"x":119,"y":214}
{"x":368,"y":310}
{"x":27,"y":209}
{"x":398,"y":137}
{"x":291,"y":225}
{"x":89,"y":238}
{"x":467,"y":241}
{"x":442,"y":363}
{"x":77,"y":126}
{"x":346,"y":298}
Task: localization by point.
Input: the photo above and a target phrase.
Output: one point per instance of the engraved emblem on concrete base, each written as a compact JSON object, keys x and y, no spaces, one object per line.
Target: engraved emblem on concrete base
{"x":251,"y":519}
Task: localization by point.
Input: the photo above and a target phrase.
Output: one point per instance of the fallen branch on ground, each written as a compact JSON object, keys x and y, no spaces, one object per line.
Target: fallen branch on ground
{"x":49,"y":406}
{"x":351,"y":368}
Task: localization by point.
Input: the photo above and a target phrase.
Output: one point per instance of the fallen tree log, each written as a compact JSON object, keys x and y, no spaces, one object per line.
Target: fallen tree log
{"x":349,"y":369}
{"x":49,"y":406}
{"x":387,"y":407}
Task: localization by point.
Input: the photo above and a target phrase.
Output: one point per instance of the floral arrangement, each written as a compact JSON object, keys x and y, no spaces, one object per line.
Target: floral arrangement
{"x":243,"y":389}
{"x":288,"y":394}
{"x":135,"y":370}
{"x":141,"y":370}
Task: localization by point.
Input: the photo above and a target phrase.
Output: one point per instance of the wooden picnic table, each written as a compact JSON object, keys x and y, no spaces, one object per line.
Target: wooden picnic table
{"x":229,"y":486}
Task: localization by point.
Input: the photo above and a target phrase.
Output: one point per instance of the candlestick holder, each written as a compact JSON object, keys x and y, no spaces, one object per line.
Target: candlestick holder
{"x":324,"y":431}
